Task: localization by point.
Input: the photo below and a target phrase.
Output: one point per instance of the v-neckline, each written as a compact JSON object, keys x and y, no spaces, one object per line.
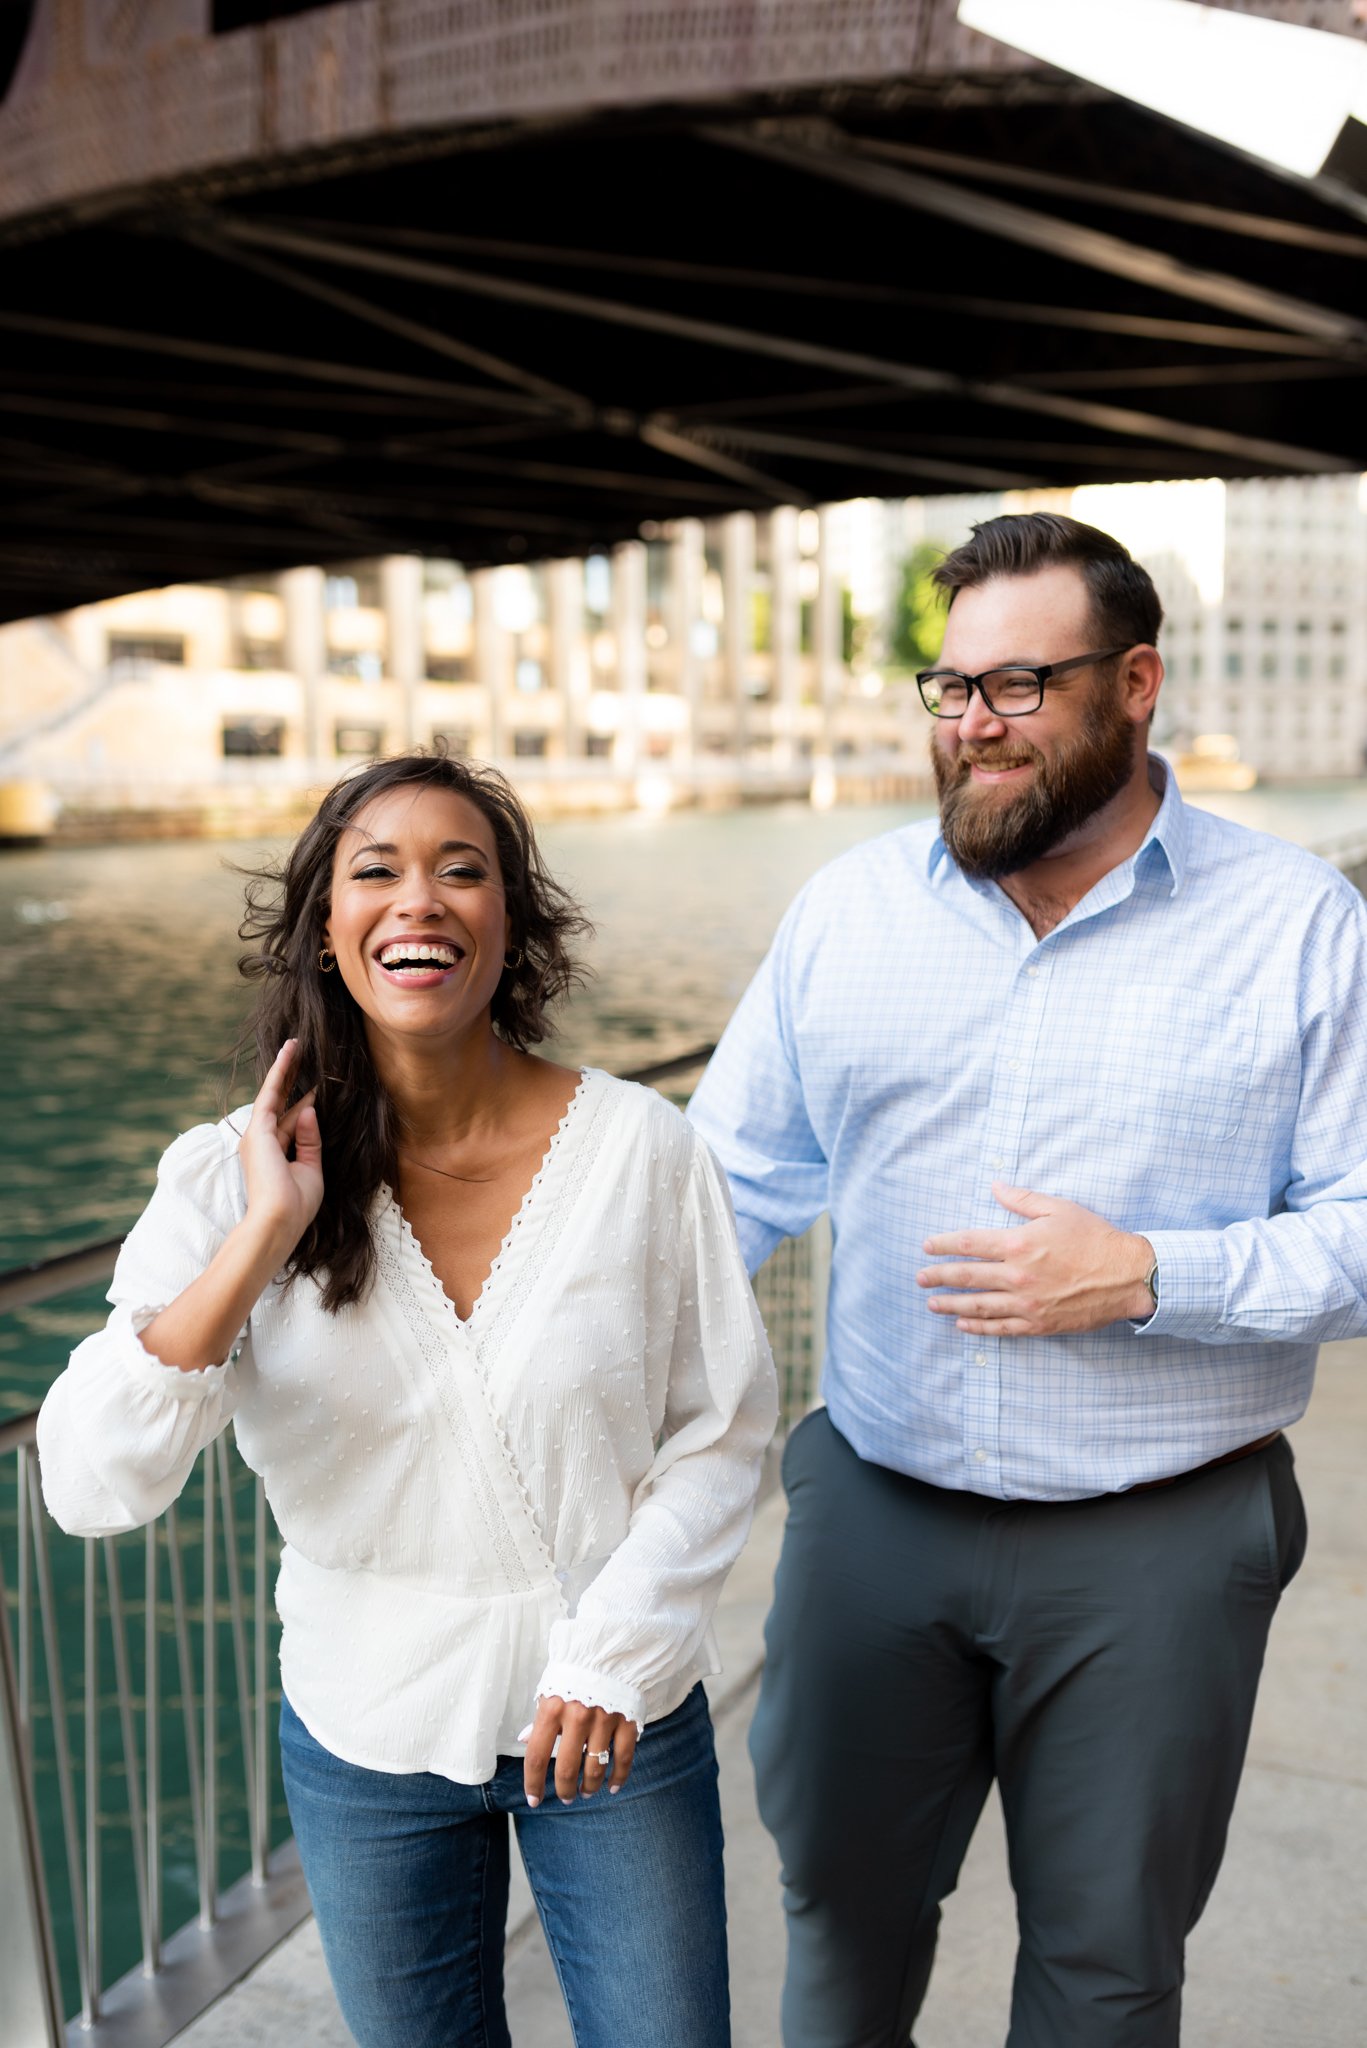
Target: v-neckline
{"x":488,"y":1286}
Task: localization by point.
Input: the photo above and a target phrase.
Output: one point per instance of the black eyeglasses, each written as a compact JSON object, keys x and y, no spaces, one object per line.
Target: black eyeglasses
{"x":1007,"y":692}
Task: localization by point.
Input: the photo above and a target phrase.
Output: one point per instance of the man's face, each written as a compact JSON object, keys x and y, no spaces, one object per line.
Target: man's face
{"x":1012,"y":789}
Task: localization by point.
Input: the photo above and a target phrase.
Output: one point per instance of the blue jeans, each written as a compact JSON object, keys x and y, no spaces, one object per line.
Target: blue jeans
{"x":408,"y":1875}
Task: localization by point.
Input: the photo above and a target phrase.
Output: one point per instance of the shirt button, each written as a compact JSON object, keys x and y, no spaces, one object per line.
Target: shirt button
{"x":980,"y":1457}
{"x":997,"y":1165}
{"x":1032,"y":972}
{"x":1013,"y":1066}
{"x":980,"y":1358}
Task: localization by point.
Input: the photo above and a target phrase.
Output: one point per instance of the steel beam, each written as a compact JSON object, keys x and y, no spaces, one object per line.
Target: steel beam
{"x":311,"y":368}
{"x":811,"y":448}
{"x":1200,"y":334}
{"x":788,"y":348}
{"x":1067,"y":241}
{"x":1119,"y":198}
{"x":419,"y":333}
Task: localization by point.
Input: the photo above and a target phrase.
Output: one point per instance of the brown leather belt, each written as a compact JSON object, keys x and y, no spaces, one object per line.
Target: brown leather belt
{"x":1226,"y":1458}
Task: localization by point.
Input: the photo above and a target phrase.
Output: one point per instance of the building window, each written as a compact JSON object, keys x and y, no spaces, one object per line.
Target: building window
{"x":448,"y":579}
{"x":253,"y":737}
{"x":361,"y":666}
{"x":1267,"y":666}
{"x":262,"y":654}
{"x":598,"y":746}
{"x":145,"y":650}
{"x":597,"y":587}
{"x":363,"y":740}
{"x":1234,"y":664}
{"x":529,"y":746}
{"x":449,"y":668}
{"x":351,"y":584}
{"x":528,"y":676}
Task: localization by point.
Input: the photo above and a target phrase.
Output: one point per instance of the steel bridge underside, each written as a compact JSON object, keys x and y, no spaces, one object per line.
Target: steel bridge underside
{"x":523,"y":338}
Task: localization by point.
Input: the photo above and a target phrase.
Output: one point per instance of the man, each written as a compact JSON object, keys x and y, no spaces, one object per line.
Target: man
{"x":1081,"y":1076}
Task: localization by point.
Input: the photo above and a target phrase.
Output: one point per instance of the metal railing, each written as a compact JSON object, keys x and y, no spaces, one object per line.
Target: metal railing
{"x":75,"y":1803}
{"x":189,"y":1642}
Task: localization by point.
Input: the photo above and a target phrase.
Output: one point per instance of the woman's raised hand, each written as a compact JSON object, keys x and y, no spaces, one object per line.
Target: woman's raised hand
{"x":283,"y":1194}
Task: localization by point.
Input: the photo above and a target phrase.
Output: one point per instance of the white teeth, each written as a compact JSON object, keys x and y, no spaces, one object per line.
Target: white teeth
{"x":443,"y":955}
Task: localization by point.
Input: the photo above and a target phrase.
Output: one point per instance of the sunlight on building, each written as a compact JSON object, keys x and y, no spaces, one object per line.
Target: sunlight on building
{"x":1185,"y":521}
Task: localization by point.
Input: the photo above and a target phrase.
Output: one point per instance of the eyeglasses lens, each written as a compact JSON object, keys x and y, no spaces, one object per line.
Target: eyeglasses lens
{"x":1009,"y":691}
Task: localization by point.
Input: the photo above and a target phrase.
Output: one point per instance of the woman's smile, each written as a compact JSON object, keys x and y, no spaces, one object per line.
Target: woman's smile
{"x":419,"y":963}
{"x":418,"y":910}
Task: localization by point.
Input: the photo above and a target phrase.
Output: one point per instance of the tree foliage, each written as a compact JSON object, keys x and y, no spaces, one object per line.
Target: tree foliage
{"x":918,"y":620}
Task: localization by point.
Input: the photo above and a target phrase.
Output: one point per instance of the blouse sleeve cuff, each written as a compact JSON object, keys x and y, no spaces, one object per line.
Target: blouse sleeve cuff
{"x":593,"y":1689}
{"x":171,"y":1381}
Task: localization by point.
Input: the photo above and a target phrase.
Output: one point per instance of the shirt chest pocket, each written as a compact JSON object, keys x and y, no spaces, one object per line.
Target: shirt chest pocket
{"x":1175,"y":1064}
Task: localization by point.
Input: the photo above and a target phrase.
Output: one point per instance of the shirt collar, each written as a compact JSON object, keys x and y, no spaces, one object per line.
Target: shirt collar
{"x":1169,"y":832}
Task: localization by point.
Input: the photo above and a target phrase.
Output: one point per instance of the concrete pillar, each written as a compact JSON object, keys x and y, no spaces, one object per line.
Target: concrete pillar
{"x":785,"y":630}
{"x":826,"y":634}
{"x":629,"y":631}
{"x":737,"y":581}
{"x":401,"y":596}
{"x":568,"y":663}
{"x":301,"y":591}
{"x":488,"y":645}
{"x":687,"y":561}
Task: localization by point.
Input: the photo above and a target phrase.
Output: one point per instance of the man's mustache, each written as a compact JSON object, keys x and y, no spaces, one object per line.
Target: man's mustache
{"x":976,"y":755}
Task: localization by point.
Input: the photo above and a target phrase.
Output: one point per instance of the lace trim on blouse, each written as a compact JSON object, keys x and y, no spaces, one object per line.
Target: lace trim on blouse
{"x":437,"y":1355}
{"x":565,"y":1171}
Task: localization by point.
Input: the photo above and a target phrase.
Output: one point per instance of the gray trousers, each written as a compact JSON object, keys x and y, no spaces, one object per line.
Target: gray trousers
{"x":1099,"y":1658}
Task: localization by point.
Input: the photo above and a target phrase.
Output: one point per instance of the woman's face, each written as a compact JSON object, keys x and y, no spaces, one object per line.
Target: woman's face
{"x":418,"y":920}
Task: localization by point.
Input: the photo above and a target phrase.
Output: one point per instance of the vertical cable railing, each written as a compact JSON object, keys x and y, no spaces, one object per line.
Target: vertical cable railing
{"x":98,"y":1789}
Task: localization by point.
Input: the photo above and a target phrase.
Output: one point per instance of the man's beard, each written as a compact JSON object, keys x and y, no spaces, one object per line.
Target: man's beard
{"x":990,"y":834}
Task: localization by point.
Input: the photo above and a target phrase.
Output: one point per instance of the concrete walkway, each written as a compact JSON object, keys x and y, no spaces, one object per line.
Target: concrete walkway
{"x":1280,"y":1960}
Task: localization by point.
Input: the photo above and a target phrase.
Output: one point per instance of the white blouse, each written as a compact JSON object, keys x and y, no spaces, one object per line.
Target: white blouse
{"x":541,"y":1498}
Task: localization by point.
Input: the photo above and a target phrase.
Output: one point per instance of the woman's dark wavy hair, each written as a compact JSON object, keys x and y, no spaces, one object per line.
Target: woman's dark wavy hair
{"x":287,"y":910}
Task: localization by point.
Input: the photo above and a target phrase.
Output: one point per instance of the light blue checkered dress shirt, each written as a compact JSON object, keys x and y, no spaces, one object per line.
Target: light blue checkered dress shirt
{"x":1186,"y":1054}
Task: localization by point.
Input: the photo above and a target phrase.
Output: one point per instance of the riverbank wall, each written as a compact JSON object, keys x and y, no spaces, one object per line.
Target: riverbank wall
{"x":269,"y":810}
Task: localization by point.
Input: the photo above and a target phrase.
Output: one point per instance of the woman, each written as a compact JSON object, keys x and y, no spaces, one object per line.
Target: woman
{"x":482,"y":1324}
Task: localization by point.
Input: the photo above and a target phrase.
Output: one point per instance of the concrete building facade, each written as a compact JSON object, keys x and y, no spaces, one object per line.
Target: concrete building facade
{"x":701,"y":663}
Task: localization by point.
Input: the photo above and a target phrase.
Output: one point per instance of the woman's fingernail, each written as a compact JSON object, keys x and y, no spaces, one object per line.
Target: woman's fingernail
{"x":614,"y":1790}
{"x":532,"y":1800}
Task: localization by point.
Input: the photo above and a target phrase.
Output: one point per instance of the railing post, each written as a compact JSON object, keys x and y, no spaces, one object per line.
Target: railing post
{"x":819,"y":1241}
{"x":28,"y":1964}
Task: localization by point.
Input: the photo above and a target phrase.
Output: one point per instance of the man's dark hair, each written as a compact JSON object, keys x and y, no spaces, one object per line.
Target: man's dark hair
{"x":1126,"y":610}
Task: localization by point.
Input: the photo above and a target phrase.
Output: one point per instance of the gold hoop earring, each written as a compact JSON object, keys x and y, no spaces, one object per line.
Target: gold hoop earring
{"x":515,"y":963}
{"x":326,"y":961}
